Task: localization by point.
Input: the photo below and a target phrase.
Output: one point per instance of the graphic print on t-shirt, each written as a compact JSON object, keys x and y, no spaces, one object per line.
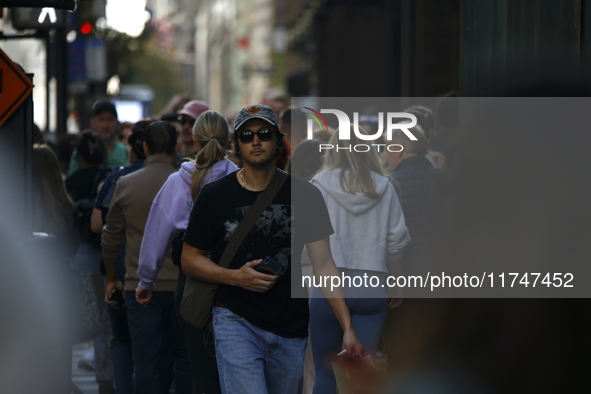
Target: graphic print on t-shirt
{"x":272,"y":229}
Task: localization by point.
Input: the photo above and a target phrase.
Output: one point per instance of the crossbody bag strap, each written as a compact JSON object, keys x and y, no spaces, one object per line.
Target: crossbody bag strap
{"x":262,"y":202}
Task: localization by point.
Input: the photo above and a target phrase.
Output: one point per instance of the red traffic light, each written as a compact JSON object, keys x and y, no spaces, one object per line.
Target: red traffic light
{"x":86,"y":28}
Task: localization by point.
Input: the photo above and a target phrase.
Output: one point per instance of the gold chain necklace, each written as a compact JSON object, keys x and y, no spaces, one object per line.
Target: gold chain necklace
{"x":242,"y":178}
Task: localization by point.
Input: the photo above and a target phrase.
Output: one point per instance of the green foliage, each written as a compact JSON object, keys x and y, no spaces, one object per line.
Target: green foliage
{"x":139,"y":61}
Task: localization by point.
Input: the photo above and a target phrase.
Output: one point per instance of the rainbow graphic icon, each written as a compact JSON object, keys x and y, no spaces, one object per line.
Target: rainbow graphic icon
{"x":317,"y":117}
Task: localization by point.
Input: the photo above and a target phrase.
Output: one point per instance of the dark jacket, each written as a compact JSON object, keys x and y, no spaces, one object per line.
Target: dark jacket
{"x":420,"y":196}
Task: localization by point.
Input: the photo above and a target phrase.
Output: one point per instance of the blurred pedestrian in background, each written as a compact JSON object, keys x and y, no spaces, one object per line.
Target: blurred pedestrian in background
{"x":83,"y":186}
{"x":187,"y":116}
{"x":124,"y":132}
{"x":105,"y":124}
{"x":153,"y":327}
{"x":426,"y":121}
{"x":120,"y":342}
{"x":55,"y":207}
{"x":307,"y":159}
{"x":91,"y":155}
{"x":65,"y":147}
{"x":38,"y":334}
{"x":293,"y":124}
{"x":421,"y":197}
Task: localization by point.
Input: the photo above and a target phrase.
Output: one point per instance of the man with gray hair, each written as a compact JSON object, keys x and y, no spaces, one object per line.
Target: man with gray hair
{"x":420,"y":195}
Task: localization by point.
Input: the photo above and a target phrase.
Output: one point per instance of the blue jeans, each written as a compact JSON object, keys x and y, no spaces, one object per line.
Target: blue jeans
{"x":252,"y":360}
{"x":326,"y":335}
{"x":155,"y":340}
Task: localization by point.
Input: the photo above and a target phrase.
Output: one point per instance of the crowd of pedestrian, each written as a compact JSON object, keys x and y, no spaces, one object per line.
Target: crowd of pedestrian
{"x":149,"y":204}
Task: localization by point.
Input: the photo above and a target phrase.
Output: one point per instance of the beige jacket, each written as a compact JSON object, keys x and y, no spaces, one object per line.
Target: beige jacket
{"x":127,"y":218}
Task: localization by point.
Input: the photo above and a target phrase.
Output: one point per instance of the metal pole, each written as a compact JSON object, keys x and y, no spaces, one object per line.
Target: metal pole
{"x":61,"y":76}
{"x":47,"y":78}
{"x":28,"y":165}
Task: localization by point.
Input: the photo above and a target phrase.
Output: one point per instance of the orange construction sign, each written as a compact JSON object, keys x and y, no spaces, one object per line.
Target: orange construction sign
{"x":15,"y":87}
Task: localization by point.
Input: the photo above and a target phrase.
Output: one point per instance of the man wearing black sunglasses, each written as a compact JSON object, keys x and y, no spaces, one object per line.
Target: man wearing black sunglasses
{"x":260,"y":330}
{"x":186,"y":117}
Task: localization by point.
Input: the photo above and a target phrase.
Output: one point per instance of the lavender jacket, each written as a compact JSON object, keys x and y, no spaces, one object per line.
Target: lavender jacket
{"x":169,"y":214}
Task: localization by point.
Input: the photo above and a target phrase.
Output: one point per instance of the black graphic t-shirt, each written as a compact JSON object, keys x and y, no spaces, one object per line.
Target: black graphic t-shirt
{"x":281,"y":232}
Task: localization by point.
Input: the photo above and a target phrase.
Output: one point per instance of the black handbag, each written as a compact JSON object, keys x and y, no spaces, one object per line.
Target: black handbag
{"x":199,"y":296}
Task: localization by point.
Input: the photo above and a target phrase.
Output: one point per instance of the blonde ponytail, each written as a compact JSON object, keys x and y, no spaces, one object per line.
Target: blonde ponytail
{"x":213,"y":133}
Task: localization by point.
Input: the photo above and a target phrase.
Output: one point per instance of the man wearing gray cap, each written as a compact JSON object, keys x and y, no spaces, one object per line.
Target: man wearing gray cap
{"x":187,"y":116}
{"x":260,"y":330}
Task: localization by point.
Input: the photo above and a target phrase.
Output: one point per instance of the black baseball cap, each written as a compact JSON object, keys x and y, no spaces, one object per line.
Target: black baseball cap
{"x":255,"y":112}
{"x":102,"y":106}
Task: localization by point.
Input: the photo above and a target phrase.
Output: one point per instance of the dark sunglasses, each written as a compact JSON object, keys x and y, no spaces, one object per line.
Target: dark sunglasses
{"x":183,"y":121}
{"x":247,"y":136}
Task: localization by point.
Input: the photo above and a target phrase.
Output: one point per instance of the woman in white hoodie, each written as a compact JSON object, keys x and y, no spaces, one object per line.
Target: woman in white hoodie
{"x":369,"y":236}
{"x":169,"y":216}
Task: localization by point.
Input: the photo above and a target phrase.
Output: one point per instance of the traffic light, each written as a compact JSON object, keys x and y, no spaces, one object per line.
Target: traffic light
{"x":86,"y":28}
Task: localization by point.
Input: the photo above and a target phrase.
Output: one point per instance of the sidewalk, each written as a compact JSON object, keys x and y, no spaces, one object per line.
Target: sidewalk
{"x":84,"y":380}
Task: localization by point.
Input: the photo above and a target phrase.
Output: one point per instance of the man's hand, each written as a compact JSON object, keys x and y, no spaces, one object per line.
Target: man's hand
{"x":352,"y":344}
{"x":251,"y":279}
{"x":143,"y":296}
{"x":113,"y":285}
{"x":195,"y":263}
